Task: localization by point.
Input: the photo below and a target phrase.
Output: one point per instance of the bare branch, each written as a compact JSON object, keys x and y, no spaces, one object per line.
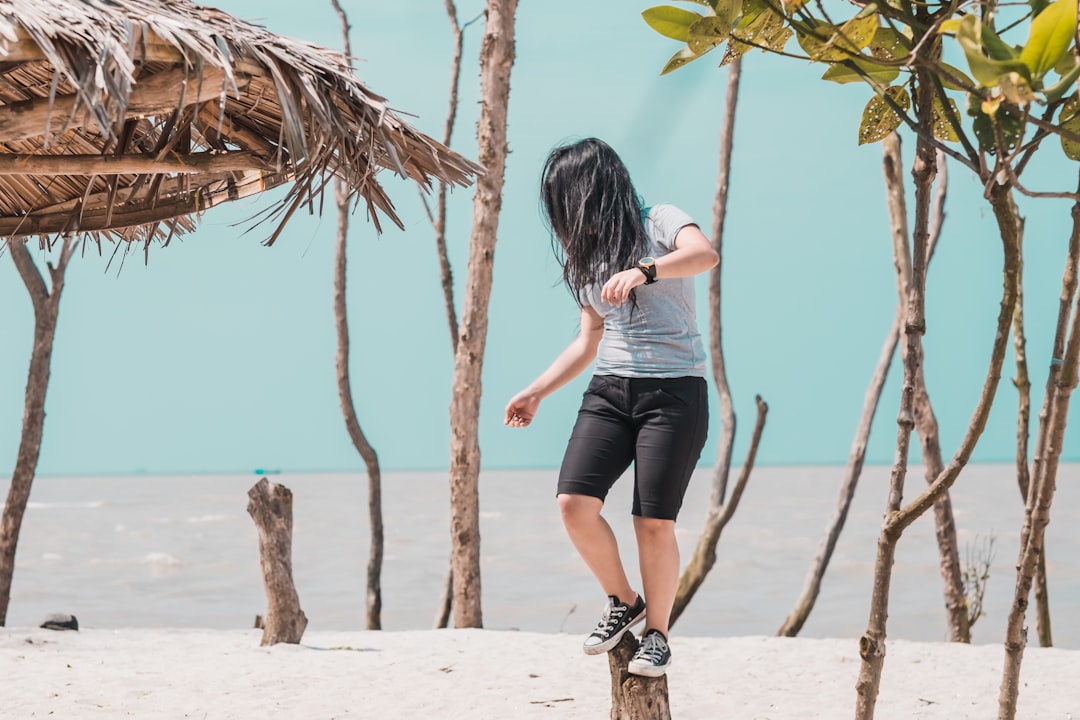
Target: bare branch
{"x":28,"y":271}
{"x":705,"y":552}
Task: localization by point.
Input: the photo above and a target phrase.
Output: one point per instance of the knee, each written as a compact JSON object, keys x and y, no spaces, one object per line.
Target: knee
{"x":576,"y":509}
{"x":654,"y":528}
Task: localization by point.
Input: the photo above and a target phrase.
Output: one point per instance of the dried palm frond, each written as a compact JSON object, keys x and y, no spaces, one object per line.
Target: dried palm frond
{"x":128,"y":118}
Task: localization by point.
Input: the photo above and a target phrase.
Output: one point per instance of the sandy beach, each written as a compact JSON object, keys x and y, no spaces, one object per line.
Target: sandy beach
{"x":477,"y":674}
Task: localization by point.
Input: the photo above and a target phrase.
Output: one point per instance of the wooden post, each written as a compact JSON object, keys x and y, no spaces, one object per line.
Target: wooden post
{"x":634,"y":697}
{"x":270,"y":506}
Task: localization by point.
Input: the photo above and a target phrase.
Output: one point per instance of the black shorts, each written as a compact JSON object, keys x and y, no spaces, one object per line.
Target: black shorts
{"x":657,"y":423}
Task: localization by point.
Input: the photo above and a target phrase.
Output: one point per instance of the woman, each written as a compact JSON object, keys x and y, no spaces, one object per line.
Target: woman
{"x":631,"y":271}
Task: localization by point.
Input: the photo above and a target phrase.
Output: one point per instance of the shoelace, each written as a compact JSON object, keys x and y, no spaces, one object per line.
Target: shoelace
{"x":610,"y":618}
{"x":652,"y":648}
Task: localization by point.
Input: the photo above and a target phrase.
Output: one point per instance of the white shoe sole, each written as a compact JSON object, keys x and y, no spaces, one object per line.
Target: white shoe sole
{"x":647,"y":669}
{"x":613,"y":640}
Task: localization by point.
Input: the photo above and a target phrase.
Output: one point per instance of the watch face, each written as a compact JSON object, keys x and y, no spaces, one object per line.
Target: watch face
{"x":646,"y":261}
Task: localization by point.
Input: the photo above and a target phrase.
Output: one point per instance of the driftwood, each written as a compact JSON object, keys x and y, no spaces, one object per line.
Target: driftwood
{"x":634,"y":697}
{"x":270,"y":506}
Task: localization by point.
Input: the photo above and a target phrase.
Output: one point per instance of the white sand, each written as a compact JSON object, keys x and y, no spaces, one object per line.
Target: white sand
{"x":480,"y":674}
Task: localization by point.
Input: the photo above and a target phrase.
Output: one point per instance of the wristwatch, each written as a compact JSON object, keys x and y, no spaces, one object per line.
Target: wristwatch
{"x":648,"y":266}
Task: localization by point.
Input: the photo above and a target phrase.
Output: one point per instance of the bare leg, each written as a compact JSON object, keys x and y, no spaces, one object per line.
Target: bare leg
{"x":658,"y":554}
{"x":596,"y":544}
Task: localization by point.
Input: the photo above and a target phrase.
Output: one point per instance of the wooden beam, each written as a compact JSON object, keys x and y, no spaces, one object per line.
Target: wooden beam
{"x":154,"y":95}
{"x":164,"y":207}
{"x":87,"y":165}
{"x":149,"y":47}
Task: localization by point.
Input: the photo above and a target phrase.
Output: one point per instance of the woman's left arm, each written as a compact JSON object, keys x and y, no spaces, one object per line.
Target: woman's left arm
{"x":693,"y":254}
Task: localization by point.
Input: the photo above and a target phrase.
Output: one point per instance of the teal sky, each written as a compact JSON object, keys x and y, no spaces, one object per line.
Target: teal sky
{"x":218,"y":355}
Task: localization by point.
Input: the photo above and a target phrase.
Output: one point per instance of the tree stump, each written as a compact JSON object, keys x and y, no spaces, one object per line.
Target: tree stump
{"x":634,"y":697}
{"x":270,"y":506}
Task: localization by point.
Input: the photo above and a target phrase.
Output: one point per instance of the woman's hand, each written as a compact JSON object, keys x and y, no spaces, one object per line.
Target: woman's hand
{"x":617,"y":289}
{"x":522,"y":409}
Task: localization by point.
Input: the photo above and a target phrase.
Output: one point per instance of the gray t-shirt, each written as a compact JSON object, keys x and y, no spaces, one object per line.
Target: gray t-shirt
{"x":659,"y":337}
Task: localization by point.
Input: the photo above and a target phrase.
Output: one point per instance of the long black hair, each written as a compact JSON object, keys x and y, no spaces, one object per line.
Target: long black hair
{"x":594,"y":213}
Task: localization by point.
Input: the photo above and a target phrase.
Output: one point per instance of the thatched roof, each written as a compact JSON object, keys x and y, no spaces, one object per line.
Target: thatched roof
{"x":130,"y":117}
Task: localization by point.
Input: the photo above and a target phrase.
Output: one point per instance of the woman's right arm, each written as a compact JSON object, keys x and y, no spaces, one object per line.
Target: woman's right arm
{"x":570,"y":363}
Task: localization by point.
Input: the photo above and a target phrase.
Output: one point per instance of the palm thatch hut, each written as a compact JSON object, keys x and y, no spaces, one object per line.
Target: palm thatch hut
{"x":126,"y":119}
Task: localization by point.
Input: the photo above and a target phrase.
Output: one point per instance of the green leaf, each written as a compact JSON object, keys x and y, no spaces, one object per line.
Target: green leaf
{"x":996,"y":48}
{"x":766,"y":29}
{"x":683,"y":57}
{"x":707,"y":33}
{"x":670,"y":21}
{"x":1016,"y":89}
{"x":751,"y":10}
{"x":949,"y":26}
{"x":1059,"y":89}
{"x":844,"y":73}
{"x":1064,"y":64}
{"x":1011,"y":127}
{"x":986,"y":70}
{"x":1037,"y":6}
{"x":1070,"y":120}
{"x":1052,"y":33}
{"x":774,"y":33}
{"x":829,"y":43}
{"x":958,"y":73}
{"x":728,"y":11}
{"x":887,"y":44}
{"x":878,"y":119}
{"x":943,"y":129}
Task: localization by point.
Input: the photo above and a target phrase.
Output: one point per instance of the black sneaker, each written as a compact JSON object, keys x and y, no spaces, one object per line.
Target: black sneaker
{"x":617,"y":619}
{"x":653,"y":656}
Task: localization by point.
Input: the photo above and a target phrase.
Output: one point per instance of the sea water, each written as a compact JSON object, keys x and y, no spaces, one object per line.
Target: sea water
{"x":141,"y":551}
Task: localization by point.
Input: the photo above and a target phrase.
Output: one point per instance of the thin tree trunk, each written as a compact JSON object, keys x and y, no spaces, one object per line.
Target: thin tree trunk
{"x":270,"y":507}
{"x":46,"y":304}
{"x":716,"y":345}
{"x":1061,"y":381}
{"x":442,"y":617}
{"x":496,"y":60}
{"x":445,"y":275}
{"x":373,"y":605}
{"x":704,"y":556}
{"x":926,"y":424}
{"x":872,"y":643}
{"x":1023,"y":434}
{"x":856,"y":457}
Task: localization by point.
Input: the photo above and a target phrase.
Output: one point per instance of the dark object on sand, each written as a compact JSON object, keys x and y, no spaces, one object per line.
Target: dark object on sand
{"x":60,"y":621}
